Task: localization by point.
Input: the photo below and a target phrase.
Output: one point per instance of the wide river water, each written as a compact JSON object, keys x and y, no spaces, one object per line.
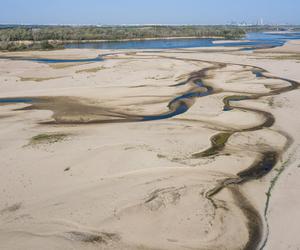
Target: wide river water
{"x":251,"y":40}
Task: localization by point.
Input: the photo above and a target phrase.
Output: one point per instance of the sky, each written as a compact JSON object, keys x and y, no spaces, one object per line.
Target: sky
{"x":148,"y":12}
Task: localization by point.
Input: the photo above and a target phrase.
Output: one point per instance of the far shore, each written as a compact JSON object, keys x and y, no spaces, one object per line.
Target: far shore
{"x":122,"y":40}
{"x":59,"y":44}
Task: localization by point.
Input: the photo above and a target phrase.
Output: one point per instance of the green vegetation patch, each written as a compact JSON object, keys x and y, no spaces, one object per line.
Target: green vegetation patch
{"x":83,"y":33}
{"x":48,"y":138}
{"x":7,"y":44}
{"x":37,"y":79}
{"x":91,"y":70}
{"x":220,"y":139}
{"x":283,"y":56}
{"x":218,"y":142}
{"x":287,"y":57}
{"x":64,"y":65}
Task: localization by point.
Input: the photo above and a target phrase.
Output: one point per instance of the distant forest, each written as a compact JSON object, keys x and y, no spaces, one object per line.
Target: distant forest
{"x":49,"y":37}
{"x":43,"y":37}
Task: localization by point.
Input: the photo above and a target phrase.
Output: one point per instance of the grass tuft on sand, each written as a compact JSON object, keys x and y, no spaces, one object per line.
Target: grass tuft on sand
{"x":64,"y":65}
{"x":286,"y":57}
{"x":282,"y":56}
{"x":47,"y":138}
{"x":91,"y":70}
{"x":37,"y":79}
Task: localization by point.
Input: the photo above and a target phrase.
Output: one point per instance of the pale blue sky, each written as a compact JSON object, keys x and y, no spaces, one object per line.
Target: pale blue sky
{"x":148,"y":12}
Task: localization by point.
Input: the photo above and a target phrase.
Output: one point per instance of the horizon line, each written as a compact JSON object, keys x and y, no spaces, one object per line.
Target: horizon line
{"x":152,"y":24}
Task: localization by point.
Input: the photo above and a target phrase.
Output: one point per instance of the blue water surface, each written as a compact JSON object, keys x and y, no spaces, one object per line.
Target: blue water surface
{"x":251,"y":40}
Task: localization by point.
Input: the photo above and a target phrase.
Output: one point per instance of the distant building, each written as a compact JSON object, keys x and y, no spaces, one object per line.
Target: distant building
{"x":260,"y":22}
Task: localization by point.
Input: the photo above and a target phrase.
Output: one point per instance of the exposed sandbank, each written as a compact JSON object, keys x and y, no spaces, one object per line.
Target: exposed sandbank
{"x":134,"y":185}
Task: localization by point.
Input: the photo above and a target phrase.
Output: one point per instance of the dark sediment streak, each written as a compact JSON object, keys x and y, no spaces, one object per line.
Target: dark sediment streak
{"x":69,"y":105}
{"x":260,"y":168}
{"x":254,"y":221}
{"x":178,"y":105}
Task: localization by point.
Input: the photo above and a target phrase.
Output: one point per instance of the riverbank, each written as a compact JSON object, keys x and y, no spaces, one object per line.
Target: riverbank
{"x":27,"y":45}
{"x":92,"y":175}
{"x":10,"y":37}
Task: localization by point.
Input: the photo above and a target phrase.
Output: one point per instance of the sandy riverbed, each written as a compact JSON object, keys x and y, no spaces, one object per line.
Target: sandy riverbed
{"x":81,"y":170}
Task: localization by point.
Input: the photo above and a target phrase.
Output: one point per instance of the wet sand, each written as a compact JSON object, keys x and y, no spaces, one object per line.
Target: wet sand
{"x":168,"y":149}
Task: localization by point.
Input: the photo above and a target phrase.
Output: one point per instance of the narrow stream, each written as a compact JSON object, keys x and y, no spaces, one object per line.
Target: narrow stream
{"x":264,"y":163}
{"x":50,"y":61}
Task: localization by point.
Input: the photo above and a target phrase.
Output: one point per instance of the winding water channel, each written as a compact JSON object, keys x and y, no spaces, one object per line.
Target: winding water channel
{"x":264,"y":163}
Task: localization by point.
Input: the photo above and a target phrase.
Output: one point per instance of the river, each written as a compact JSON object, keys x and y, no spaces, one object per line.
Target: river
{"x":250,"y":41}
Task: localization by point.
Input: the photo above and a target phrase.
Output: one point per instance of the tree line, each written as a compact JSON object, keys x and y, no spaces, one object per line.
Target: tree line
{"x":43,"y":36}
{"x":115,"y":32}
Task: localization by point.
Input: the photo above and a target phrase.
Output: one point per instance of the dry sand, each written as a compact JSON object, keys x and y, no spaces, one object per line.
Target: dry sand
{"x":80,"y":170}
